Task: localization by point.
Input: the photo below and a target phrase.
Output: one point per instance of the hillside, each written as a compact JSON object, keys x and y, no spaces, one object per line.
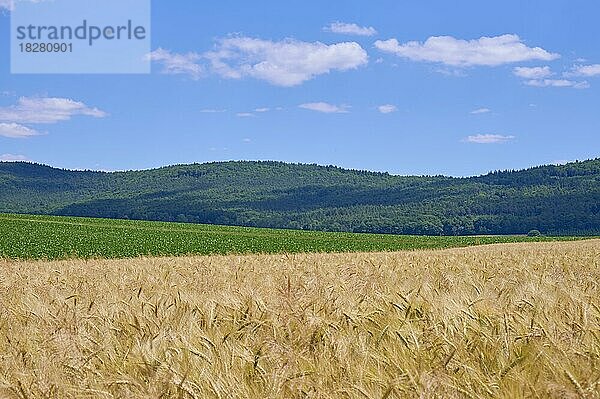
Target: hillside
{"x":554,"y":199}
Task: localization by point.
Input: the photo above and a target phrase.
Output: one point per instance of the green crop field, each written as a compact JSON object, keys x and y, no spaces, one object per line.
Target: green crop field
{"x":48,"y":237}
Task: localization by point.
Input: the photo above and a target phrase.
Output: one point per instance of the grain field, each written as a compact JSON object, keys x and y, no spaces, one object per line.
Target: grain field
{"x":502,"y":321}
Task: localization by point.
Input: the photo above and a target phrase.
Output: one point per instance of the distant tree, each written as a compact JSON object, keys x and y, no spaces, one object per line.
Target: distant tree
{"x":534,"y":233}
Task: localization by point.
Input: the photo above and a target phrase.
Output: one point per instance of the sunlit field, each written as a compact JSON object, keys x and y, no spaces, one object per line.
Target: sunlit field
{"x":503,"y":321}
{"x":51,"y":238}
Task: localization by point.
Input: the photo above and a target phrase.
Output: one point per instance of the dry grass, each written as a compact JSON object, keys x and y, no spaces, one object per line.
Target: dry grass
{"x":504,"y":321}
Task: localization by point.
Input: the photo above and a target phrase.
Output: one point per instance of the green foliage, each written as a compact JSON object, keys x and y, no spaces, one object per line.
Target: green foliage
{"x":555,"y":199}
{"x":48,"y":237}
{"x":534,"y":233}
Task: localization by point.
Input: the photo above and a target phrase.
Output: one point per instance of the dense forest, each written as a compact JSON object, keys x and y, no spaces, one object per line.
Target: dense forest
{"x":553,"y":199}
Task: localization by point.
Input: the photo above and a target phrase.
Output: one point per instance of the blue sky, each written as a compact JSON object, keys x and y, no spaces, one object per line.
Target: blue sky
{"x":428,"y":87}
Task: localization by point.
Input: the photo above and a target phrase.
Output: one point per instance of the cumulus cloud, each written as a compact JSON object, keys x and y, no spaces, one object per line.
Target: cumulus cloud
{"x":387,"y":108}
{"x":585,"y":70}
{"x":481,"y":111}
{"x":13,"y":158}
{"x":177,"y":64}
{"x":282,"y":63}
{"x":542,"y":77}
{"x":46,"y":110}
{"x":533,"y":73}
{"x":325,"y":108}
{"x":488,"y":139}
{"x":16,"y":131}
{"x":557,"y":83}
{"x":350,"y":29}
{"x":485,"y":51}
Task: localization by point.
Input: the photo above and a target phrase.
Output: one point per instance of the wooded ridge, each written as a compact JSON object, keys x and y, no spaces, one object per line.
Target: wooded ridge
{"x":562,"y":200}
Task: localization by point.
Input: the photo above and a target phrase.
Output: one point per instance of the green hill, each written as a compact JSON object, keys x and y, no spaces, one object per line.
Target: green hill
{"x":554,"y":199}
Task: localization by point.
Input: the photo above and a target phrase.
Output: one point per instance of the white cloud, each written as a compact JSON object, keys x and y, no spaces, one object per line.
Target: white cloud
{"x":350,"y":29}
{"x":177,"y":64}
{"x":557,"y":83}
{"x":387,"y":108}
{"x":212,"y":111}
{"x":262,"y":109}
{"x":325,"y":108}
{"x":16,"y":131}
{"x":540,"y":77}
{"x":283,"y":63}
{"x":485,"y":51}
{"x":585,"y":70}
{"x":481,"y":111}
{"x":533,"y":73}
{"x":455,"y":72}
{"x":245,"y":115}
{"x":46,"y":110}
{"x":488,"y":139}
{"x":13,"y":158}
{"x":247,"y":140}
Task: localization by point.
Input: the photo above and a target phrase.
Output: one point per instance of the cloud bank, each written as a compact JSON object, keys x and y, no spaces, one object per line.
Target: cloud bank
{"x":489,"y":139}
{"x":350,"y":29}
{"x":585,"y":70}
{"x":533,"y":73}
{"x":480,"y":111}
{"x":46,"y":110}
{"x":40,"y":110}
{"x":387,"y":108}
{"x":542,"y":77}
{"x":177,"y":64}
{"x":284,"y":63}
{"x":485,"y":51}
{"x":325,"y":108}
{"x":16,"y":131}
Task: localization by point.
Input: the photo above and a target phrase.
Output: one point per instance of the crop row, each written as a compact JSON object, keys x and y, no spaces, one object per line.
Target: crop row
{"x":48,"y":237}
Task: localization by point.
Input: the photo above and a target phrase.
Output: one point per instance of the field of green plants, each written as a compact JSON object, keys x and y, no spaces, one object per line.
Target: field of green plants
{"x":49,"y":237}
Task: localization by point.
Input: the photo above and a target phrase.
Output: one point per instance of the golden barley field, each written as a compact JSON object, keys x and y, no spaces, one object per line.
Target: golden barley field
{"x":503,"y":321}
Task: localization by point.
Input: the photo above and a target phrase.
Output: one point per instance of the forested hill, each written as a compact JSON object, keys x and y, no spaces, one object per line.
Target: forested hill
{"x":553,"y":199}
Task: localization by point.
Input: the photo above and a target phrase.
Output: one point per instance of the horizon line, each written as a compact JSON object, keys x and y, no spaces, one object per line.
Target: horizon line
{"x":291,"y":163}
